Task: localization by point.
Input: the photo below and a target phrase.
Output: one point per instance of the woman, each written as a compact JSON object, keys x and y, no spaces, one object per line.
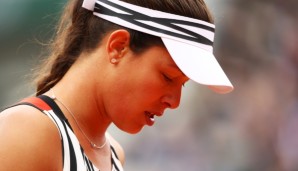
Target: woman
{"x":110,"y":63}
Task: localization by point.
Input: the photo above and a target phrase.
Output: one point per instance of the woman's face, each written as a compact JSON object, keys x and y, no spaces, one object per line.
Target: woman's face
{"x":143,"y":86}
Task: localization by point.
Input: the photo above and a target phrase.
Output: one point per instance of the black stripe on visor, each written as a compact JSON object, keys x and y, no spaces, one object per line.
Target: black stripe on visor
{"x":133,"y":17}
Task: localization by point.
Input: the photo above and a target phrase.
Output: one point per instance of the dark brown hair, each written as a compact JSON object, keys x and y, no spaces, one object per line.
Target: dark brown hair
{"x":80,"y":31}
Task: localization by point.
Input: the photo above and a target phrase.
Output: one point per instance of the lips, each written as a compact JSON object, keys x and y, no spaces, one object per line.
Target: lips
{"x":150,"y":117}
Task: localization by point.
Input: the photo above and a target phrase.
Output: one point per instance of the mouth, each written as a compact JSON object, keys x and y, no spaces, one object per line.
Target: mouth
{"x":150,"y":117}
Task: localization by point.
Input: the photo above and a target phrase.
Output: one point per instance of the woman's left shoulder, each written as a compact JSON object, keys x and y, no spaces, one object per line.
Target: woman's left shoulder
{"x":118,"y":148}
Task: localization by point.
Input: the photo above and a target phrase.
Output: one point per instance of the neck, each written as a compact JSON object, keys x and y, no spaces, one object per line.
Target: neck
{"x":77,"y":92}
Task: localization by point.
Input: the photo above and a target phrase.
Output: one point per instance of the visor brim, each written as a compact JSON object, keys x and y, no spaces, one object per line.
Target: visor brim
{"x":199,"y":65}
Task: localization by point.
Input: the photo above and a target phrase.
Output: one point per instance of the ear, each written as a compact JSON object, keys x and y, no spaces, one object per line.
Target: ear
{"x":117,"y":45}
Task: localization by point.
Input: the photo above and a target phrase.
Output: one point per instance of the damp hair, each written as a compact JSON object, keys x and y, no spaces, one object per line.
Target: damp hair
{"x":79,"y":31}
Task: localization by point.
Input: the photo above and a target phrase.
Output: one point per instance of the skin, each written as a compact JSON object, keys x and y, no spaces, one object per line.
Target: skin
{"x":99,"y":93}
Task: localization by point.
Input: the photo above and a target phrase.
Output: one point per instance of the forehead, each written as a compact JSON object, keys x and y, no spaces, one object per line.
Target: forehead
{"x":164,"y":59}
{"x":160,"y":55}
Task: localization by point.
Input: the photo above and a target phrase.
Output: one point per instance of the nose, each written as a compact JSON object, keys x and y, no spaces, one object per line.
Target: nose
{"x":172,"y":98}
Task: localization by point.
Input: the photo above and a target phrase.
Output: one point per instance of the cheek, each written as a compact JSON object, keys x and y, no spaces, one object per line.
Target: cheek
{"x":147,"y":89}
{"x":139,"y":93}
{"x":140,"y":85}
{"x":128,"y":99}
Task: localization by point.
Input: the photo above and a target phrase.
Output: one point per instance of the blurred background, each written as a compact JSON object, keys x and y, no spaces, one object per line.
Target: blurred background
{"x":254,"y":128}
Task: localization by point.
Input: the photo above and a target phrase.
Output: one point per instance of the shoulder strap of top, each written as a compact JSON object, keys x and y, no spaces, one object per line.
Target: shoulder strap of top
{"x":54,"y":107}
{"x":114,"y":151}
{"x":115,"y":160}
{"x":42,"y":103}
{"x":35,"y":102}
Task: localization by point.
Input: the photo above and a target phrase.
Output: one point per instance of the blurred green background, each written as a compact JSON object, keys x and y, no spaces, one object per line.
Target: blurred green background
{"x":24,"y":27}
{"x":254,"y":128}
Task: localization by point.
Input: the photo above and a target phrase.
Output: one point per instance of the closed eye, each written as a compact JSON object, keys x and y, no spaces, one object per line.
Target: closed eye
{"x":167,"y":78}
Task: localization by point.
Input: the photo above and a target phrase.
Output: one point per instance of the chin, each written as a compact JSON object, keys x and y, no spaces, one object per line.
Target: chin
{"x":132,"y":130}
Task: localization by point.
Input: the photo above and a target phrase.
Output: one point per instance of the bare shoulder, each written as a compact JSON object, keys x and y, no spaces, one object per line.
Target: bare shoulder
{"x":118,"y":148}
{"x":29,"y":140}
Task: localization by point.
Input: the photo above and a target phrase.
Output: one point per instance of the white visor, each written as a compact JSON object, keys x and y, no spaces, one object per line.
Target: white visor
{"x":189,"y":41}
